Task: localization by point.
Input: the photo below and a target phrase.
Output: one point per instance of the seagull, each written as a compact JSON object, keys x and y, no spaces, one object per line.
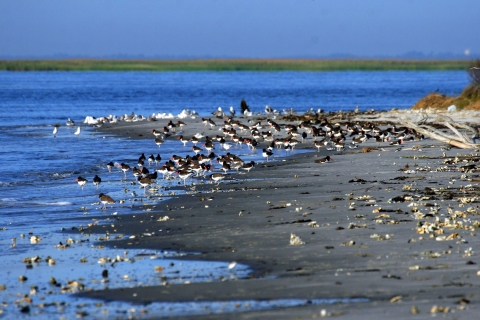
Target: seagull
{"x":77,"y":132}
{"x":55,"y":130}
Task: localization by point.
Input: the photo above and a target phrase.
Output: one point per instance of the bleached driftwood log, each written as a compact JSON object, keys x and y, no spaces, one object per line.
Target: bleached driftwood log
{"x":458,"y":140}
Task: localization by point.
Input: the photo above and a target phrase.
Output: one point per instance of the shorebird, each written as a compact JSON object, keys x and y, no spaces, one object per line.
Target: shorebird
{"x":77,"y":132}
{"x":196,"y":149}
{"x":184,"y":174}
{"x":318,"y":145}
{"x":158,"y":142}
{"x":151,"y":159}
{"x":124,"y":167}
{"x":184,"y":140}
{"x":158,"y":158}
{"x":145,"y":182}
{"x":97,"y":180}
{"x":55,"y":130}
{"x":110,"y":165}
{"x":267,"y":154}
{"x":225,"y":167}
{"x":217,"y":177}
{"x":105,"y":199}
{"x":248,"y":166}
{"x":211,"y":124}
{"x":81,"y":181}
{"x":324,"y":160}
{"x":156,"y":133}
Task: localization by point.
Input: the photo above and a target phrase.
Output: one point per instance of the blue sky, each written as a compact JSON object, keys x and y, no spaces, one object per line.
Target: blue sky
{"x":238,"y":29}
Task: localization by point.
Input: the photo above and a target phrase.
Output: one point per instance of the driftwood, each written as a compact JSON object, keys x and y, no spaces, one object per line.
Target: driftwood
{"x":457,"y":139}
{"x":437,"y":135}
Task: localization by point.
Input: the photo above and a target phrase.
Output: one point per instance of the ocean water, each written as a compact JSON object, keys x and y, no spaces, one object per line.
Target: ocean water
{"x":37,"y":188}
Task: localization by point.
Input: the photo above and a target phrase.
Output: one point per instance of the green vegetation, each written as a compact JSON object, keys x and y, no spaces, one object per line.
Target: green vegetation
{"x":232,"y":65}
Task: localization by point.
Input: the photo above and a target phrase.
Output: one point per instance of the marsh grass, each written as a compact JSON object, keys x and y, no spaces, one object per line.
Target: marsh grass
{"x":232,"y":65}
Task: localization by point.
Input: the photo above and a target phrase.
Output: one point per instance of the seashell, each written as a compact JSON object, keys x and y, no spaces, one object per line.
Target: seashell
{"x":295,"y":240}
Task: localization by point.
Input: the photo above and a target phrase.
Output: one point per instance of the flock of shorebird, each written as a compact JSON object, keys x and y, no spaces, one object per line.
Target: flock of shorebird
{"x":236,"y":134}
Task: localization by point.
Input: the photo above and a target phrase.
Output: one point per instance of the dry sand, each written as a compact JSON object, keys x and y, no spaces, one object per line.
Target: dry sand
{"x":410,"y":257}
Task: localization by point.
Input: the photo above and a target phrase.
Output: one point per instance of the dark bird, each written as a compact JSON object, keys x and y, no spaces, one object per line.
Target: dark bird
{"x":105,"y":199}
{"x":97,"y":180}
{"x":324,"y":160}
{"x":125,"y":168}
{"x":217,"y":177}
{"x":267,"y":154}
{"x":81,"y":181}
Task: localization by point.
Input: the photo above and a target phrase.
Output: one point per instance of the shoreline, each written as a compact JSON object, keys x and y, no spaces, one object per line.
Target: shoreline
{"x":222,"y":65}
{"x":352,"y":253}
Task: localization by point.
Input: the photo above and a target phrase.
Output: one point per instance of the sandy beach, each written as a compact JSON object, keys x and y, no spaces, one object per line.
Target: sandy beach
{"x":394,"y":228}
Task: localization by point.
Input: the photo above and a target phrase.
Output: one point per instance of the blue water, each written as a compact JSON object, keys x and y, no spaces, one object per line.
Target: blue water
{"x":37,"y":188}
{"x":38,"y":170}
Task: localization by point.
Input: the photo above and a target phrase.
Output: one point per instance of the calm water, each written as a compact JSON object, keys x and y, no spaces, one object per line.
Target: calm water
{"x":37,"y":170}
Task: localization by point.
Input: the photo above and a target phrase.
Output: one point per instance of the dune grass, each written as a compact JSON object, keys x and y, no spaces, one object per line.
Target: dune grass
{"x":232,"y":65}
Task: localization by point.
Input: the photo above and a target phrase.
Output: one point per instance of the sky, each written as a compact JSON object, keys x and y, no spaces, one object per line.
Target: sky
{"x":238,"y":28}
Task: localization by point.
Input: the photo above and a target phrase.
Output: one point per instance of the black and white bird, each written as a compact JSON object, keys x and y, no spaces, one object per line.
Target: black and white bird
{"x":97,"y":180}
{"x":267,"y":153}
{"x":105,"y":199}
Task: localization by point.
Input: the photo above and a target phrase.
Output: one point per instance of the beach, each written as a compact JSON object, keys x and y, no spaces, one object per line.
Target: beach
{"x":392,"y":231}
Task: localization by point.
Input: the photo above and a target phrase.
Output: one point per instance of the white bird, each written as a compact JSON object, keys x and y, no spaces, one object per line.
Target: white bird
{"x":77,"y":132}
{"x":55,"y":130}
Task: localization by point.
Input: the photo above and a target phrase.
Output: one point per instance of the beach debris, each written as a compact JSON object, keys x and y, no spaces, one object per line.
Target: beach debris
{"x":164,"y":218}
{"x":35,"y":239}
{"x":396,"y":299}
{"x":295,"y":240}
{"x":232,"y":265}
{"x":415,"y":310}
{"x":380,"y":237}
{"x":313,"y":224}
{"x":439,"y":309}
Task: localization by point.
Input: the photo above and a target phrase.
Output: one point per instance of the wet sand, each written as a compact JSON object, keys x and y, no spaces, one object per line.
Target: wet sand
{"x":357,"y":242}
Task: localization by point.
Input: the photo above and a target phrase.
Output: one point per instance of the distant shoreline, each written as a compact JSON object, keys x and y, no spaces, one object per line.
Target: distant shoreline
{"x":235,"y":65}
